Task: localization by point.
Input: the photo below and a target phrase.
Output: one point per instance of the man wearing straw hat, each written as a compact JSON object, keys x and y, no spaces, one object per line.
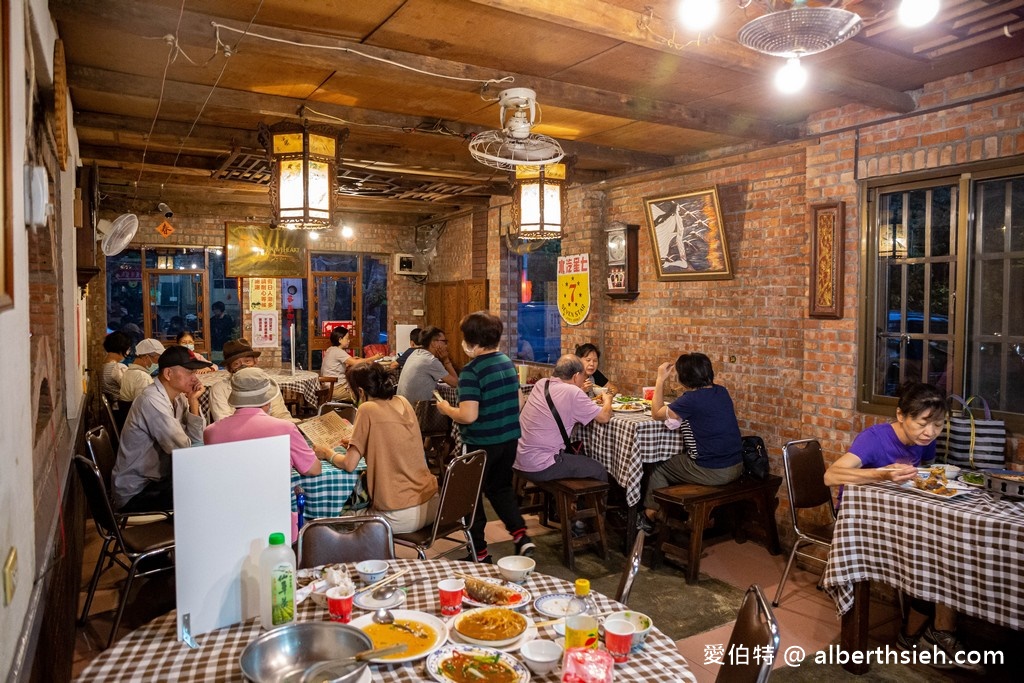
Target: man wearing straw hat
{"x":252,"y":393}
{"x":238,"y":354}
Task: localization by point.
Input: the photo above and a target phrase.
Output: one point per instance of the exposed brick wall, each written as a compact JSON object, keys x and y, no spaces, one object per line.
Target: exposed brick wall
{"x":457,"y":251}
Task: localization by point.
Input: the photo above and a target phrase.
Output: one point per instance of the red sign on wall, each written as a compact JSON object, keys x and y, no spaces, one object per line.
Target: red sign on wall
{"x":329,"y":325}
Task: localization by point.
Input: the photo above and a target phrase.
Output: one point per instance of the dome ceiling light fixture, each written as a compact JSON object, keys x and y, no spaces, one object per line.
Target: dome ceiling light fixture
{"x":800,"y":31}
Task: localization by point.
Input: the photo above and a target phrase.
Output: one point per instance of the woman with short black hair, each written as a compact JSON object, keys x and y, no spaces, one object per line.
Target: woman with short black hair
{"x":117,"y":345}
{"x":337,"y":361}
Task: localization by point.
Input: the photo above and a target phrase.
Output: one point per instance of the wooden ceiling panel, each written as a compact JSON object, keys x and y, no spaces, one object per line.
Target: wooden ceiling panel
{"x":652,"y":137}
{"x":473,"y":34}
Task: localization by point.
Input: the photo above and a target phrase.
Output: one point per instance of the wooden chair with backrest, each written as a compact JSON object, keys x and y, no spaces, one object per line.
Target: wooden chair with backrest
{"x":329,"y":540}
{"x":756,"y":630}
{"x":631,"y":569}
{"x":326,"y":391}
{"x":151,"y":543}
{"x":460,"y":492}
{"x":804,"y":464}
{"x":436,"y":430}
{"x":345,"y":410}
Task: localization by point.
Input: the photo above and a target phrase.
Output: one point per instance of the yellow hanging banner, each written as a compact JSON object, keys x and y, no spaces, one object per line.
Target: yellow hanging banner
{"x":574,"y":288}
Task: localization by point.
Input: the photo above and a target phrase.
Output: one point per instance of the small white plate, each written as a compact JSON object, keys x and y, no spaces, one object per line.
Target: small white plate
{"x":436,"y":658}
{"x":557,"y":605}
{"x":524,"y":595}
{"x":368,"y":602}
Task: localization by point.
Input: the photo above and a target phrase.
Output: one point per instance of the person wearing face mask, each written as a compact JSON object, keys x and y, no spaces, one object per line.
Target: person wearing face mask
{"x":488,"y":418}
{"x":165,"y":416}
{"x":186,"y":339}
{"x":239,"y":354}
{"x":139,"y":374}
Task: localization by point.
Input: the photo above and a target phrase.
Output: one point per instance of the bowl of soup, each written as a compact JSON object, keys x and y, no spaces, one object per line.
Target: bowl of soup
{"x":490,"y":626}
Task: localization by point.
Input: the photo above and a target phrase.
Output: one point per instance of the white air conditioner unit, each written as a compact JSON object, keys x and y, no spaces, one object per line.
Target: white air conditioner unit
{"x":410,"y":264}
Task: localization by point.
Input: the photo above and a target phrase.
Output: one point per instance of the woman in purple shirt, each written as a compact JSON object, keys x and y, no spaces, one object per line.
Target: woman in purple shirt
{"x":892,"y":452}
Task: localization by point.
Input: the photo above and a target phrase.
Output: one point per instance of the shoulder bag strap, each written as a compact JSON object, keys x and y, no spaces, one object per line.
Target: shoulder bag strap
{"x":558,"y":419}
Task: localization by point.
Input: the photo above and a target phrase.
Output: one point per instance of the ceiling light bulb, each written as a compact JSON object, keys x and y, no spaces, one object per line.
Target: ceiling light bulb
{"x":914,"y":13}
{"x":346,"y":232}
{"x":314,"y":235}
{"x":698,"y":15}
{"x":791,"y":78}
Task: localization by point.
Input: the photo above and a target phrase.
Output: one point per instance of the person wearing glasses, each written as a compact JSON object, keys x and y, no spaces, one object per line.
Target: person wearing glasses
{"x":426,"y":366}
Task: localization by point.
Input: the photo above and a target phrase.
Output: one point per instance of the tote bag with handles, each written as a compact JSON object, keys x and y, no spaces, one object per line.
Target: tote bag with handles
{"x":970,"y":441}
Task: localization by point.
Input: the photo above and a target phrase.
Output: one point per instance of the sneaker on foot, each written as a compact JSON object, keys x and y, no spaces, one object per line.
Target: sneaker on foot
{"x":908,"y":643}
{"x":644,"y":524}
{"x":473,"y":558}
{"x":952,"y":648}
{"x":525,"y":547}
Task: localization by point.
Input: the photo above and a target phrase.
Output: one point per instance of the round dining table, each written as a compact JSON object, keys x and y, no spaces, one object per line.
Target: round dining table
{"x":153,"y":652}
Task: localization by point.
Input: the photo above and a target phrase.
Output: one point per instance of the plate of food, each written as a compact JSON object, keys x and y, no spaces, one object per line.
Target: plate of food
{"x":972,"y":479}
{"x":420,"y":632}
{"x":629,"y":407}
{"x":471,"y":664}
{"x":487,"y":592}
{"x":557,"y":605}
{"x":933,"y":482}
{"x":496,"y":627}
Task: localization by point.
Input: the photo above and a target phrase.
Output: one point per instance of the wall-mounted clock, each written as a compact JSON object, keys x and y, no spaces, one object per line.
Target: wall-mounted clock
{"x":622,"y":261}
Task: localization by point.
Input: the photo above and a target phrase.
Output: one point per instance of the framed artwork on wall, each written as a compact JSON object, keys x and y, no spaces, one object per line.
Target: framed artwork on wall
{"x":826,"y":295}
{"x":262,"y":251}
{"x":687,"y":236}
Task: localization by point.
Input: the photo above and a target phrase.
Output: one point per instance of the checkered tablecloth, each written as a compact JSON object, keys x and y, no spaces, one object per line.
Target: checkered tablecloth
{"x":327,"y":492}
{"x":627,"y":442}
{"x":305,"y":382}
{"x":152,"y":653}
{"x":967,"y":553}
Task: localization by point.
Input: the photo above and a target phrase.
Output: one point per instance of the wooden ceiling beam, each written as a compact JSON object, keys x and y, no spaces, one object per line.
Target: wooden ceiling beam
{"x":287,"y":108}
{"x":618,"y":23}
{"x":150,"y":20}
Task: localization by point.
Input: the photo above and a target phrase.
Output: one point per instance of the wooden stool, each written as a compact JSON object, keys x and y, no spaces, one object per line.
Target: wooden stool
{"x":532,"y":498}
{"x":579,"y":499}
{"x":689,"y":507}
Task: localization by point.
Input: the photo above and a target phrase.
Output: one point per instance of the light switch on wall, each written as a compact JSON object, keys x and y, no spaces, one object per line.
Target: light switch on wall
{"x":10,"y":575}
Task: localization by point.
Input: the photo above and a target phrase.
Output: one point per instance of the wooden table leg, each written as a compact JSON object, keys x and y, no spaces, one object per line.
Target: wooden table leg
{"x":854,"y":634}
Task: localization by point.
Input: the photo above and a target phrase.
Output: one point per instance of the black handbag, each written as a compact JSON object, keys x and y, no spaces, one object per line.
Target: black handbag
{"x":574,"y":447}
{"x":755,"y":458}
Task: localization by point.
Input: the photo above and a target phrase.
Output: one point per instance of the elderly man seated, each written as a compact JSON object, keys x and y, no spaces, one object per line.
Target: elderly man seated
{"x":165,"y":416}
{"x":252,"y":394}
{"x":137,"y":376}
{"x":238,"y":354}
{"x":541,"y":454}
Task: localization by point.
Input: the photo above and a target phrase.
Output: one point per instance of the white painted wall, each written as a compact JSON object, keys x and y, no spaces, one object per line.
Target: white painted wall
{"x":17,"y":512}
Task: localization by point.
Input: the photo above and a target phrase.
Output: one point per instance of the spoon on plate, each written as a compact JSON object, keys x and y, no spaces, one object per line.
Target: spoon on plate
{"x":385,"y":592}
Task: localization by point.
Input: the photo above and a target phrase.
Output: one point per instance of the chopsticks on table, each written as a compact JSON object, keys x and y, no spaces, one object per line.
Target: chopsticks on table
{"x":388,"y":579}
{"x":552,"y":622}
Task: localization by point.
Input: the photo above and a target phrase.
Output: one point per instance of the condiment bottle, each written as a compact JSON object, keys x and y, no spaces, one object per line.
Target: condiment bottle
{"x":583,"y":596}
{"x":277,"y":583}
{"x":300,"y":505}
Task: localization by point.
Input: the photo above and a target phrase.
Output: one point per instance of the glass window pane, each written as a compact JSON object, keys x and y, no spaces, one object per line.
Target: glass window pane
{"x":917,"y":225}
{"x":337,"y":263}
{"x":539,"y":324}
{"x":913,"y":362}
{"x":1015,"y":324}
{"x":991,"y":215}
{"x":124,"y":293}
{"x":1017,"y":215}
{"x":938,"y":321}
{"x":335,"y":300}
{"x":375,"y":300}
{"x":940,"y":365}
{"x":915,"y":298}
{"x":174,"y":302}
{"x":942,"y":221}
{"x":225,"y":311}
{"x":990,"y":304}
{"x":293,"y":312}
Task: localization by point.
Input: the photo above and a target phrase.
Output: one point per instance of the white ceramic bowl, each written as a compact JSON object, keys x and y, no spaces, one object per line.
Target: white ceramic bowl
{"x":541,"y":656}
{"x":371,"y":571}
{"x":599,"y":390}
{"x":516,"y":568}
{"x":641,"y":622}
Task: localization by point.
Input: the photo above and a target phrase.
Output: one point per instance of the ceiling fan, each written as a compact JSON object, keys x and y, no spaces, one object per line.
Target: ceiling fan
{"x":515,"y":145}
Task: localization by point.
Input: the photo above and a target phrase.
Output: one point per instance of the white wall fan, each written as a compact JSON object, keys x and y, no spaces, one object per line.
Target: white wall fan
{"x":515,"y":145}
{"x":117,"y":235}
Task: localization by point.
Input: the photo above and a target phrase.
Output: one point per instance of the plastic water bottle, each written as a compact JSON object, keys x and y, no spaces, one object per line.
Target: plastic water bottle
{"x":277,"y":583}
{"x":583,"y":598}
{"x":300,"y":505}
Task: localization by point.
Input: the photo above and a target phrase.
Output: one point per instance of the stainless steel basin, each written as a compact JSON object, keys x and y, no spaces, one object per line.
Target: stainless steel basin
{"x":282,"y":655}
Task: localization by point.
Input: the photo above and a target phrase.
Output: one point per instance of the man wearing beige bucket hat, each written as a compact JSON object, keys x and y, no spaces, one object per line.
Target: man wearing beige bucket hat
{"x":252,"y":392}
{"x":238,"y":354}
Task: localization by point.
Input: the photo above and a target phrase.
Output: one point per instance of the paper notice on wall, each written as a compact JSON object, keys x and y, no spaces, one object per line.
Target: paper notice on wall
{"x":265,"y":330}
{"x":263,"y":294}
{"x":327,"y":430}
